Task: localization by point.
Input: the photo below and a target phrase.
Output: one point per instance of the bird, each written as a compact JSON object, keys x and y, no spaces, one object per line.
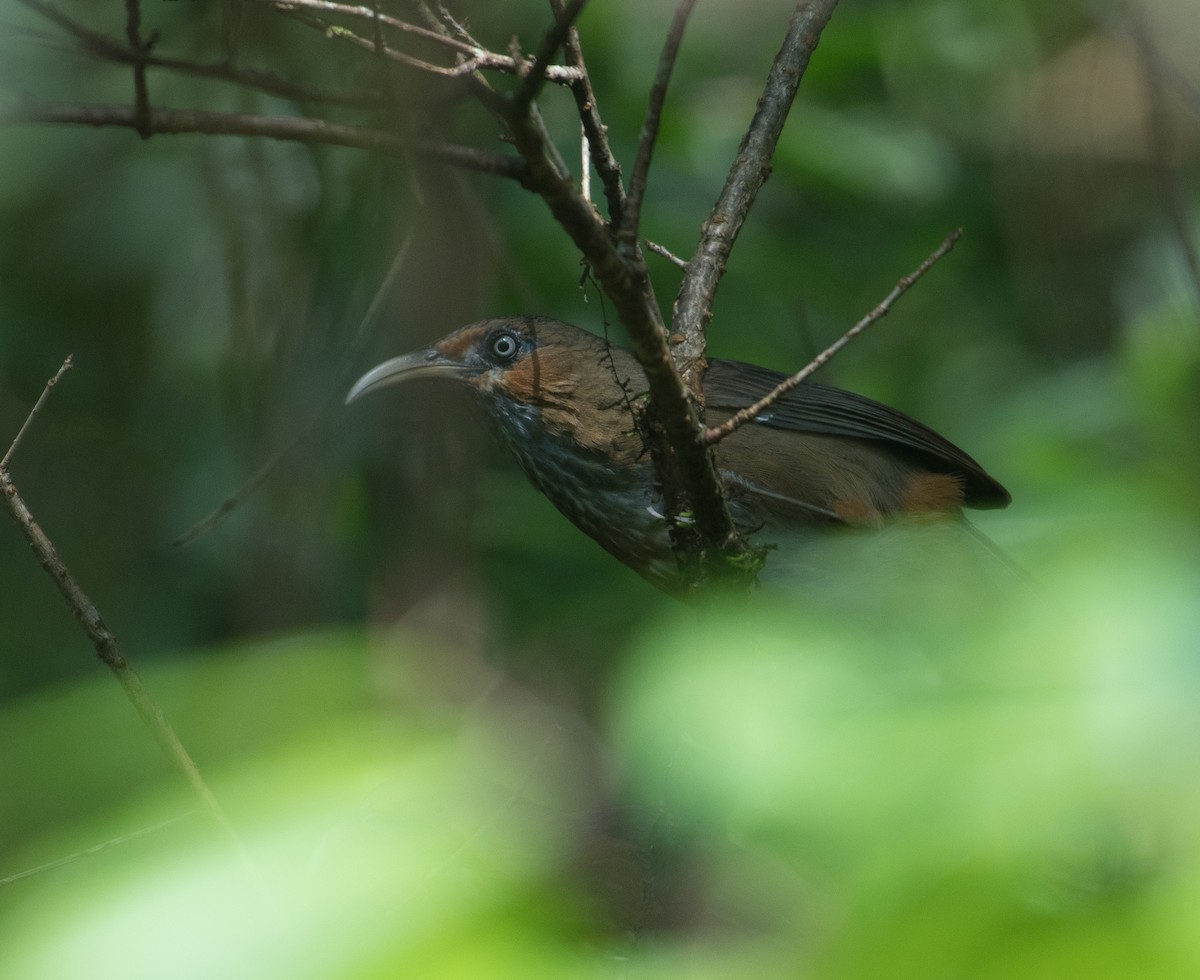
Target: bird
{"x":819,"y":464}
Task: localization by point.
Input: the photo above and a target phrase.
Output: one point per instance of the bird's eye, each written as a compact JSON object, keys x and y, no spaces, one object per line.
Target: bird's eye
{"x":504,"y":346}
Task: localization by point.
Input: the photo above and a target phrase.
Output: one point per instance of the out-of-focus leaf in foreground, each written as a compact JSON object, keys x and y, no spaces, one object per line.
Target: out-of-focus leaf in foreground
{"x":964,"y":789}
{"x":390,"y":834}
{"x":1012,"y":793}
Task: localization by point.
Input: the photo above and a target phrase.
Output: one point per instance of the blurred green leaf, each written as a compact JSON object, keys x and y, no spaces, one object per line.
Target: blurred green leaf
{"x":383,"y":834}
{"x":986,"y":803}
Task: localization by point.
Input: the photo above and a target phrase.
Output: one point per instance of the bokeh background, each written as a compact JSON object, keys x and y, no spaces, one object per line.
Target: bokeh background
{"x":456,"y":738}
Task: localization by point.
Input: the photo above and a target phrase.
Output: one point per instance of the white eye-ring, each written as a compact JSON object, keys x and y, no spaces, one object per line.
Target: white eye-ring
{"x":504,"y":346}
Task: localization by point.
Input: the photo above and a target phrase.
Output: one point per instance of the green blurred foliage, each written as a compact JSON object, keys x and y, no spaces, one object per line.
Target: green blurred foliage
{"x":548,"y":770}
{"x":1009,"y":793}
{"x":1014,"y":797}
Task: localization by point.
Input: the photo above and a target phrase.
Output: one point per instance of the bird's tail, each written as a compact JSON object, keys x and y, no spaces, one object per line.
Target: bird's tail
{"x":1006,"y":561}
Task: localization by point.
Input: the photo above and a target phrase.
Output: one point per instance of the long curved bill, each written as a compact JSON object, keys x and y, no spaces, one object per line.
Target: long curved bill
{"x":420,"y":363}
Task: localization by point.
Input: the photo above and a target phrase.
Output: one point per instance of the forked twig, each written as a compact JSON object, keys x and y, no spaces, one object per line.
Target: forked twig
{"x":474,"y":56}
{"x":553,"y":40}
{"x":715,"y":434}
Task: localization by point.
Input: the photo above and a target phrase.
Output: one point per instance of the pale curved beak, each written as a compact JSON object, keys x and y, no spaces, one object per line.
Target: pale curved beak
{"x":418,"y":364}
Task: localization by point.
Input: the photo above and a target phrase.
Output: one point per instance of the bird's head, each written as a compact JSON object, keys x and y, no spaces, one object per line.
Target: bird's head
{"x":527,"y":370}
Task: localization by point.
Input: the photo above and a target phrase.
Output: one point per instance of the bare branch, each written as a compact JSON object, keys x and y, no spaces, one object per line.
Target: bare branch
{"x":676,"y":435}
{"x":628,"y":230}
{"x":373,"y":15}
{"x":537,"y":74}
{"x":595,"y":132}
{"x":446,"y":18}
{"x":693,"y":305}
{"x":735,"y":422}
{"x":103,"y":46}
{"x":109,"y":650}
{"x":581,"y":222}
{"x":294,"y":129}
{"x":666,"y":254}
{"x":677,"y":439}
{"x":299,"y":11}
{"x":474,"y":57}
{"x":37,"y":407}
{"x":626,"y":282}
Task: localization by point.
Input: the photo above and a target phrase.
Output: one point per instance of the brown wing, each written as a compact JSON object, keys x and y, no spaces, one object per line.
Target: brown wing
{"x":822,"y":410}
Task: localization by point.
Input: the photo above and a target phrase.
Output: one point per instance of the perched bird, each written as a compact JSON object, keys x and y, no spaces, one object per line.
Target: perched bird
{"x":818,"y":461}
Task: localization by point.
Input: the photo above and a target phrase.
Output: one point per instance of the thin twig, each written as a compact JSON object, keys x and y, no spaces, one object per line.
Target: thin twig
{"x":299,"y":12}
{"x":89,"y":851}
{"x":447,"y":19}
{"x":667,"y":254}
{"x":248,"y":486}
{"x":480,"y":87}
{"x":37,"y":407}
{"x":104,"y":641}
{"x":553,"y":40}
{"x":290,"y":128}
{"x":715,"y":434}
{"x":103,"y":46}
{"x":474,"y":57}
{"x":752,"y":164}
{"x":628,"y":231}
{"x":371,"y":14}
